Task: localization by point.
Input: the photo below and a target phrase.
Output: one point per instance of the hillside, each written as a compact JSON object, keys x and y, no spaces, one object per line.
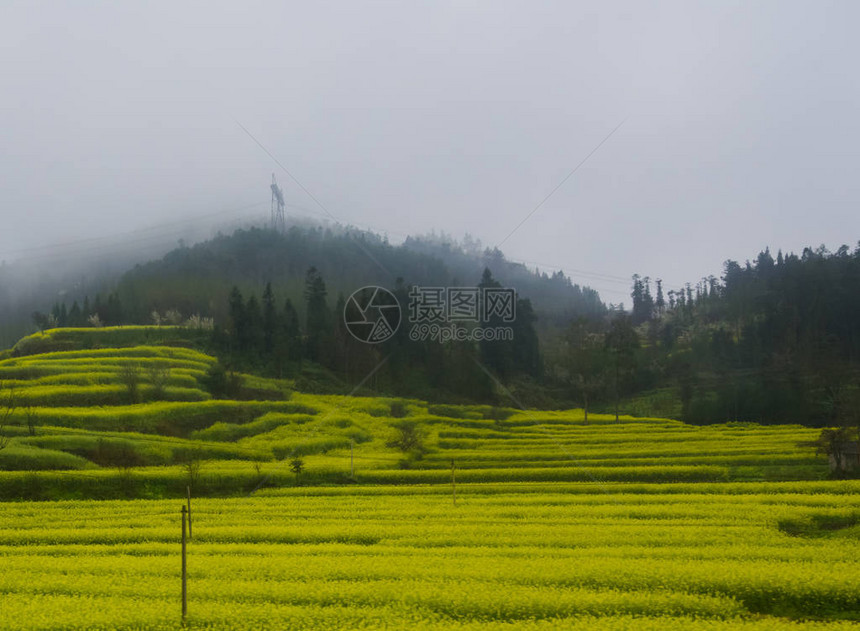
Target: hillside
{"x":135,"y":417}
{"x":198,"y":279}
{"x":270,"y":274}
{"x":773,"y":341}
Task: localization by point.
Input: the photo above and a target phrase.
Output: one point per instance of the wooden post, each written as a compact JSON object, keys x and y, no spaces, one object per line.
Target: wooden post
{"x":188,"y":489}
{"x":184,"y":573}
{"x":351,"y":460}
{"x":453,"y":484}
{"x":616,"y":389}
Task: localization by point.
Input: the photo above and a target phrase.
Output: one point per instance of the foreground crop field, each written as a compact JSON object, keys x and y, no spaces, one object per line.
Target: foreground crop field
{"x":539,"y":556}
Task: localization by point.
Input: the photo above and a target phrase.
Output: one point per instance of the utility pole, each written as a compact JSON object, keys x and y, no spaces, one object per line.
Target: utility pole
{"x":184,"y":572}
{"x":188,"y":489}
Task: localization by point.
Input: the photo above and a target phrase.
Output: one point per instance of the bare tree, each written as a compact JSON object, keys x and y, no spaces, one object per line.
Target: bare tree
{"x":835,"y":443}
{"x":586,"y":361}
{"x":192,"y":462}
{"x":129,"y":375}
{"x":173,"y":316}
{"x":841,"y":443}
{"x":159,"y":375}
{"x":200,"y":323}
{"x":31,"y":420}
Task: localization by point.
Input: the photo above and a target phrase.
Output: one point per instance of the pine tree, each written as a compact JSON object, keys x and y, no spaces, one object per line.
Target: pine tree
{"x":317,"y":324}
{"x":292,"y":332}
{"x":270,"y":320}
{"x":496,"y":355}
{"x":238,"y":321}
{"x":647,"y":300}
{"x":525,"y":346}
{"x":74,"y":317}
{"x":621,"y":343}
{"x":287,"y":340}
{"x":254,"y":322}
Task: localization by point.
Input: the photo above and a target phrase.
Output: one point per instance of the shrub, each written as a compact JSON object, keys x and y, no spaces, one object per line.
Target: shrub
{"x":448,"y":411}
{"x":409,"y":437}
{"x":297,"y":465}
{"x":494,"y":413}
{"x":220,"y":383}
{"x":398,"y":409}
{"x":119,"y":454}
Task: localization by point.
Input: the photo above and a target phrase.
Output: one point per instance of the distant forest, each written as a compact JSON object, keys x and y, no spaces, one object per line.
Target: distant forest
{"x":775,"y":340}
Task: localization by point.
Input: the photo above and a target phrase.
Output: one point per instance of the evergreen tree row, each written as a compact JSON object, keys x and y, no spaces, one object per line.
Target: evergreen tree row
{"x":268,"y":336}
{"x":776,"y":340}
{"x":99,"y":313}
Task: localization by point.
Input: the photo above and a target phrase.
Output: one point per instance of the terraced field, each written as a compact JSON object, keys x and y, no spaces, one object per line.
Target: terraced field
{"x":549,"y":522}
{"x":73,"y":410}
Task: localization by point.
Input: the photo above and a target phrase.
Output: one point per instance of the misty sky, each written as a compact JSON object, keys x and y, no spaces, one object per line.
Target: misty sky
{"x":741,"y":124}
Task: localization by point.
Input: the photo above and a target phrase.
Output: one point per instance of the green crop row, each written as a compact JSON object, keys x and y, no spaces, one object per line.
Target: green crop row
{"x":20,"y":457}
{"x":166,"y":418}
{"x":100,"y":395}
{"x":231,"y":432}
{"x":370,"y":557}
{"x":70,"y":339}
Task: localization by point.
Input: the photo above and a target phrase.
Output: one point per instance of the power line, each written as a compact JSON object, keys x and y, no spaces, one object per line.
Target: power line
{"x":312,"y":196}
{"x":595,"y":276}
{"x":111,"y":243}
{"x":560,"y":184}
